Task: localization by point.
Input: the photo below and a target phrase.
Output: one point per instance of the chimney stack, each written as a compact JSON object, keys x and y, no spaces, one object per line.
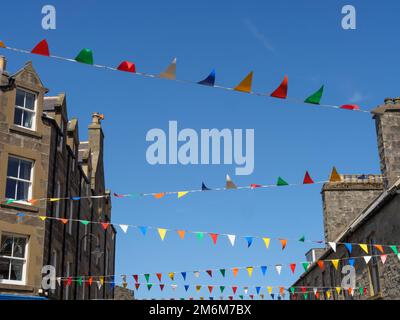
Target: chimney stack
{"x":3,"y":64}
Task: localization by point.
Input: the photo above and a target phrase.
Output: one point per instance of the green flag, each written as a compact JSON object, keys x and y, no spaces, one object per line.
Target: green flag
{"x":10,"y":201}
{"x":84,"y":222}
{"x":85,"y":56}
{"x":305,"y":265}
{"x":315,"y":98}
{"x":80,"y":281}
{"x":222,"y":288}
{"x":292,"y":289}
{"x":149,"y":285}
{"x":361,"y":290}
{"x":394,"y":249}
{"x":305,"y":296}
{"x":222,"y":272}
{"x":241,"y":297}
{"x":281,"y":182}
{"x":200,"y":235}
{"x":147,"y":276}
{"x":302,"y":239}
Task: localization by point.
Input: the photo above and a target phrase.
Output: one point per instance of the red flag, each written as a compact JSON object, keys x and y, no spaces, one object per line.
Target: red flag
{"x":303,"y":289}
{"x":209,"y":273}
{"x":127,"y":66}
{"x":214,"y":237}
{"x":320,"y":264}
{"x":41,"y":48}
{"x":317,"y":295}
{"x":159,"y":276}
{"x":281,"y":91}
{"x":69,"y":281}
{"x":90,"y":281}
{"x":307,"y":179}
{"x":230,"y":298}
{"x":234,"y":289}
{"x":137,"y":285}
{"x":254,"y":185}
{"x":251,"y":296}
{"x":105,"y":225}
{"x":161,"y":287}
{"x":293,"y":267}
{"x":65,"y":221}
{"x":350,"y":107}
{"x":210,"y":288}
{"x":136,"y":277}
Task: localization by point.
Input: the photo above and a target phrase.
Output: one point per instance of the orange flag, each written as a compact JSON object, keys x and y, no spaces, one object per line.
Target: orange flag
{"x":2,"y":45}
{"x":283,"y":242}
{"x":65,"y":221}
{"x":335,"y":177}
{"x":320,"y":264}
{"x":245,"y":85}
{"x":235,"y":271}
{"x":159,"y":195}
{"x":379,"y":247}
{"x":170,"y":72}
{"x":181,"y":233}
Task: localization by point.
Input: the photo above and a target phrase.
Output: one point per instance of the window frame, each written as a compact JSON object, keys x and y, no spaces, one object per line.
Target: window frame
{"x":25,"y":259}
{"x":30,"y":190}
{"x":24,"y":109}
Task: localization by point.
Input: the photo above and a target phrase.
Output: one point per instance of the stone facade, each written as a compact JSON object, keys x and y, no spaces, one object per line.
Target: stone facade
{"x":61,"y":167}
{"x":123,"y":293}
{"x":363,"y":209}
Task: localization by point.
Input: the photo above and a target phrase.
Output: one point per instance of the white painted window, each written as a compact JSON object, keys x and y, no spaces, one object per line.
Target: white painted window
{"x":13,"y":258}
{"x":70,"y":216}
{"x":85,"y":239}
{"x":25,"y":105}
{"x":58,"y":195}
{"x":68,"y":273}
{"x":54,"y":264}
{"x":19,"y":179}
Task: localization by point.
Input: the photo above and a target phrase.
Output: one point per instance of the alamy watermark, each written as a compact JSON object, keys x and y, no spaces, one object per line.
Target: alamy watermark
{"x":186,"y":147}
{"x":49,"y":19}
{"x":349,"y":18}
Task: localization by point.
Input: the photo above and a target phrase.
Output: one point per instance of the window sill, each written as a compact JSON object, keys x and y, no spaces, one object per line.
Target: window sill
{"x":14,"y":286}
{"x":25,"y":132}
{"x":20,"y":206}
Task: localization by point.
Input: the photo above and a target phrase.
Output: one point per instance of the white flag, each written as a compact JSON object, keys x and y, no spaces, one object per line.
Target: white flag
{"x":333,"y":245}
{"x":367,"y":258}
{"x":232,"y":239}
{"x":278,"y":268}
{"x":124,"y":227}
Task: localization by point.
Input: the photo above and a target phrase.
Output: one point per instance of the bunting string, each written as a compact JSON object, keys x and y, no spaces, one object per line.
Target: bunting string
{"x":85,"y":56}
{"x":162,"y":232}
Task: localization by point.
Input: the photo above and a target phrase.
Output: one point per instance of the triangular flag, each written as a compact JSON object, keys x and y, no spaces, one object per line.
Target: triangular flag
{"x":198,"y":287}
{"x":250,"y":271}
{"x":222,"y":288}
{"x":241,"y":296}
{"x":147,"y":277}
{"x":349,"y":247}
{"x":364,"y":247}
{"x":200,"y":235}
{"x":269,"y":289}
{"x":143,"y":230}
{"x":99,"y":285}
{"x":234,"y":288}
{"x":283,"y":242}
{"x":127,"y":66}
{"x":181,"y":233}
{"x":204,"y":187}
{"x":278,"y":269}
{"x":255,"y":185}
{"x":263,"y":270}
{"x":258,"y":290}
{"x":162,"y":232}
{"x":249,"y":241}
{"x":307,"y":179}
{"x":214,"y":237}
{"x":281,"y":182}
{"x":10,"y":201}
{"x":84,"y":222}
{"x":171,"y":275}
{"x":229,"y":183}
{"x":367,"y":259}
{"x":64,"y":221}
{"x":182,"y":193}
{"x":149,"y":285}
{"x":379,"y":247}
{"x":174,"y":286}
{"x":209,"y":272}
{"x":136,"y":277}
{"x":42,"y":218}
{"x":333,"y":246}
{"x":124,"y":227}
{"x":267,"y":241}
{"x":305,"y":265}
{"x":328,"y":294}
{"x":293,"y":267}
{"x":361,"y":289}
{"x":170,"y":72}
{"x":196,"y":274}
{"x":159,"y":195}
{"x":350,"y":107}
{"x":245,"y":84}
{"x":320,"y":264}
{"x":54,"y":199}
{"x":2,"y":45}
{"x":281,"y":91}
{"x":394,"y":249}
{"x":186,"y":286}
{"x":222,"y":272}
{"x":159,"y":276}
{"x":315,"y":98}
{"x":261,"y":296}
{"x":338,"y":289}
{"x":210,"y":80}
{"x":162,"y":287}
{"x":351,"y":262}
{"x":302,"y":239}
{"x":210,"y":288}
{"x":41,"y":48}
{"x":246,"y":290}
{"x":85,"y":56}
{"x":105,"y":225}
{"x":335,"y":177}
{"x":383,"y":258}
{"x":335,"y":263}
{"x":235,"y":271}
{"x":101,"y":280}
{"x":231,"y":238}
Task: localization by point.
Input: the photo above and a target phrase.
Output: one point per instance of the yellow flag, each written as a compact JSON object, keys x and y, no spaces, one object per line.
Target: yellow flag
{"x":250,"y":271}
{"x":42,"y":218}
{"x":335,"y":176}
{"x":54,"y":199}
{"x":162,"y":233}
{"x":171,"y":275}
{"x":198,"y":288}
{"x":182,"y":193}
{"x":364,"y":247}
{"x":170,"y":72}
{"x":338,"y":289}
{"x":335,"y":263}
{"x":269,"y":290}
{"x":2,"y":45}
{"x":101,"y":280}
{"x":328,"y":294}
{"x":267,"y":241}
{"x":245,"y":85}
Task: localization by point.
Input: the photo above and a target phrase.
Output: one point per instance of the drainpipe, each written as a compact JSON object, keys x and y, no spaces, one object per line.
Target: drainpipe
{"x":78,"y":246}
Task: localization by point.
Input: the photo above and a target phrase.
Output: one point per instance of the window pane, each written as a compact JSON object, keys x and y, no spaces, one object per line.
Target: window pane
{"x":19,"y":100}
{"x":22,"y":190}
{"x":10,"y":188}
{"x":16,"y":270}
{"x":25,"y":170}
{"x":4,"y":268}
{"x":30,"y":101}
{"x":28,"y":119}
{"x":12,"y":167}
{"x":6,"y":245}
{"x":19,"y":247}
{"x":18,"y":117}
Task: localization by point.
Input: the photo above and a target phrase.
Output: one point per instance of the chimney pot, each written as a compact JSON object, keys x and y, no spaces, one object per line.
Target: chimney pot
{"x":388,"y":101}
{"x":396,"y":100}
{"x":3,"y":64}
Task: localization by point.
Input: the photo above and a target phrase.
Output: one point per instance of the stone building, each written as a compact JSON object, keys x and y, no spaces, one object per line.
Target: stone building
{"x":41,"y":157}
{"x":362,"y":209}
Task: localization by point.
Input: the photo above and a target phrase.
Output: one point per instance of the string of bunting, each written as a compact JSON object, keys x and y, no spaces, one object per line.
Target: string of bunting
{"x":229,"y":185}
{"x":162,"y":232}
{"x":85,"y":56}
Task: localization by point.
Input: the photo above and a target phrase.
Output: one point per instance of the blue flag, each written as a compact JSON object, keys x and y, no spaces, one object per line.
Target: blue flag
{"x":143,"y":230}
{"x":249,"y":241}
{"x":183,"y":275}
{"x":349,"y":247}
{"x":263,"y":270}
{"x":210,"y":80}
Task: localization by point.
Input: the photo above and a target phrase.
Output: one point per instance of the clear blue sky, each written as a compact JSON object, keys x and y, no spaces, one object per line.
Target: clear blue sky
{"x":302,"y":39}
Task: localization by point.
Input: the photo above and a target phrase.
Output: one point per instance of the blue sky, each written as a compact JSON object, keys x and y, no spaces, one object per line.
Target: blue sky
{"x":302,"y":39}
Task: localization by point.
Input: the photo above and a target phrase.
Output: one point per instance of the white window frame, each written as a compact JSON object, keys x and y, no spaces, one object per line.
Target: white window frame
{"x":25,"y":201}
{"x":85,"y":239}
{"x":26,"y":109}
{"x":70,"y":216}
{"x":58,"y":195}
{"x":25,"y":259}
{"x":54,"y":264}
{"x":68,"y":273}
